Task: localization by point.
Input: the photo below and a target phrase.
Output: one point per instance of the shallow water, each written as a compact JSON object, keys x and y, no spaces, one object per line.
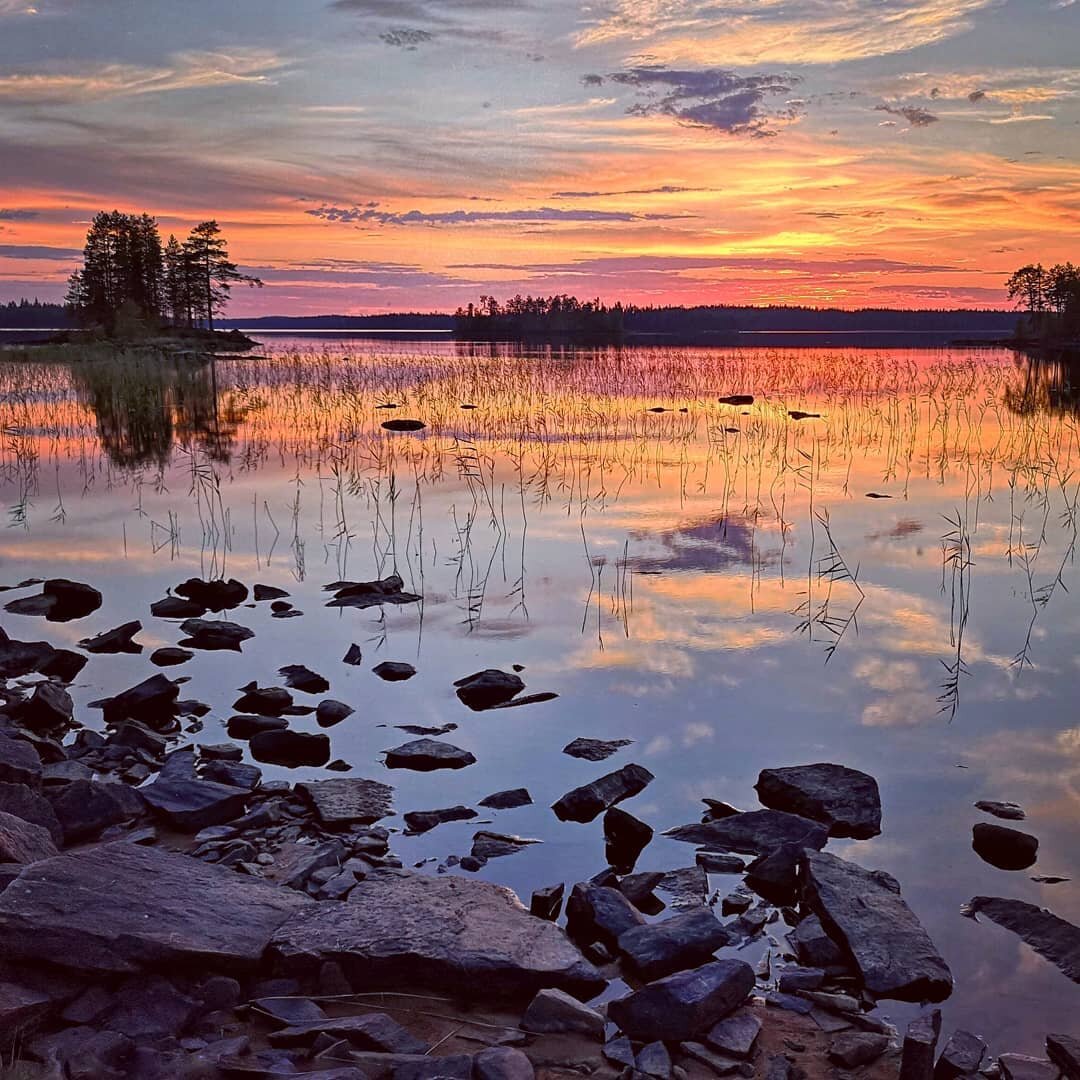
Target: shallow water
{"x":710,"y":581}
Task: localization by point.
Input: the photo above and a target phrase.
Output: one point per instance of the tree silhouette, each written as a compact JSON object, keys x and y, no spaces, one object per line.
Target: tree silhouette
{"x":213,"y":275}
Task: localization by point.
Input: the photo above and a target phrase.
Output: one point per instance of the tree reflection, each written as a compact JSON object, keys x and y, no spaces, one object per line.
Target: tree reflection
{"x":1050,"y":383}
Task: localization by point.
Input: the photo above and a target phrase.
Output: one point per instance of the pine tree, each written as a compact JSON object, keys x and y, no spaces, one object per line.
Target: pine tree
{"x":214,"y":275}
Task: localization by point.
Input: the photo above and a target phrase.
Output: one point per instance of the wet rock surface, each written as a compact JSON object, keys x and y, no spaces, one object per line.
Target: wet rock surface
{"x":291,"y":749}
{"x":350,"y":801}
{"x":845,"y":800}
{"x":394,"y":671}
{"x":365,"y":594}
{"x":214,"y":634}
{"x":60,"y":600}
{"x":754,"y":832}
{"x":587,"y":802}
{"x":118,"y":640}
{"x":426,"y":755}
{"x":595,"y":749}
{"x":1005,"y":848}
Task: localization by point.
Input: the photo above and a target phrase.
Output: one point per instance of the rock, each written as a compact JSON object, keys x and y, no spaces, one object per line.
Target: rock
{"x":352,"y":801}
{"x":502,"y":1063}
{"x":679,"y":1007}
{"x":678,"y":943}
{"x":625,"y":839}
{"x":789,"y":1003}
{"x":136,"y":736}
{"x":794,"y":979}
{"x":263,"y":701}
{"x":215,"y":595}
{"x":60,"y":600}
{"x":353,"y":656}
{"x":114,"y":641}
{"x":845,"y":800}
{"x":962,"y":1056}
{"x":754,"y":832}
{"x":717,"y":809}
{"x":214,"y":634}
{"x":393,"y":671}
{"x":556,"y":1011}
{"x":290,"y":748}
{"x":638,"y":889}
{"x":712,"y":862}
{"x":546,"y":903}
{"x":488,"y":689}
{"x":170,"y":656}
{"x":599,"y":913}
{"x":365,"y":594}
{"x":1024,"y":1067}
{"x":452,"y":1067}
{"x":19,"y":658}
{"x":776,"y":876}
{"x":243,"y":727}
{"x":122,"y":907}
{"x":221,"y":752}
{"x":920,"y":1045}
{"x":188,"y":805}
{"x":374,"y":1031}
{"x":719,"y":1064}
{"x":1052,"y":938}
{"x":426,"y":755}
{"x":85,"y":808}
{"x":152,"y":1008}
{"x":619,"y":1052}
{"x":49,"y":708}
{"x":686,"y":886}
{"x":290,"y":1011}
{"x":595,"y":749}
{"x":331,"y":712}
{"x":507,"y":800}
{"x":21,"y":802}
{"x":737,"y":399}
{"x":1064,"y":1052}
{"x":814,"y":945}
{"x":491,"y":845}
{"x":152,"y":700}
{"x":422,"y":821}
{"x":267,"y":592}
{"x":303,"y":679}
{"x":735,"y":1035}
{"x":1010,"y":811}
{"x":19,"y":762}
{"x":583,"y":804}
{"x":175,"y":607}
{"x":864,"y":910}
{"x":80,"y":1053}
{"x":295,"y":862}
{"x":856,"y":1049}
{"x":654,"y":1060}
{"x":22,"y":841}
{"x":1007,"y":849}
{"x":405,"y":929}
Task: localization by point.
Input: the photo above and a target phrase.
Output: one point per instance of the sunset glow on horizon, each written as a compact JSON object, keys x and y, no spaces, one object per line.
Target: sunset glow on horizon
{"x":367,"y":156}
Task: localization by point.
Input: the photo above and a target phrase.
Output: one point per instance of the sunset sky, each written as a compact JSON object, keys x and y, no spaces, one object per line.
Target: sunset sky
{"x":387,"y":155}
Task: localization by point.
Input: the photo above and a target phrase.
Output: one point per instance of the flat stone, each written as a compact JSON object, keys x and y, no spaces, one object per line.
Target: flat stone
{"x":962,"y":1056}
{"x":507,"y":800}
{"x":291,"y":749}
{"x":189,"y":805}
{"x":348,"y":801}
{"x":22,"y":802}
{"x":118,"y":640}
{"x":789,"y":1003}
{"x":754,"y":832}
{"x":595,"y":749}
{"x":214,"y":634}
{"x":176,"y":607}
{"x":1010,"y":811}
{"x":365,"y":594}
{"x":426,"y":755}
{"x":488,"y":689}
{"x":502,"y":1063}
{"x":654,"y":1060}
{"x":299,"y":677}
{"x":556,"y":1011}
{"x":794,"y":979}
{"x":22,"y":841}
{"x":678,"y":943}
{"x":735,"y":1035}
{"x":330,"y":712}
{"x":1051,"y":937}
{"x":19,"y":763}
{"x":19,"y":658}
{"x":712,"y":862}
{"x":1025,"y":1067}
{"x":864,"y":910}
{"x":720,"y":1064}
{"x":686,"y":886}
{"x":920,"y":1046}
{"x":451,"y":933}
{"x":683,"y":1005}
{"x":856,"y":1049}
{"x":394,"y":671}
{"x":243,"y":727}
{"x":1064,"y":1051}
{"x":491,"y":845}
{"x":373,"y":1031}
{"x":1007,"y":849}
{"x":268,"y":592}
{"x":121,"y":907}
{"x":585,"y":803}
{"x":85,"y":808}
{"x":289,"y":1011}
{"x":422,"y":821}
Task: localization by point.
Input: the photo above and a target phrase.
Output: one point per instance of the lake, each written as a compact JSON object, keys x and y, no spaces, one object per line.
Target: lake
{"x":872,"y":564}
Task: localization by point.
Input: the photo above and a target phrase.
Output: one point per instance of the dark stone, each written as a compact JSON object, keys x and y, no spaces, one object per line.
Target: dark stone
{"x":502,"y":1063}
{"x":331,"y":712}
{"x":365,"y":594}
{"x":684,"y":941}
{"x":153,"y":699}
{"x":712,"y":862}
{"x":299,"y":677}
{"x":546,"y":903}
{"x":686,"y":886}
{"x":755,"y":832}
{"x":85,"y":808}
{"x":263,"y":701}
{"x":718,"y":1064}
{"x":625,"y":838}
{"x":1010,"y":811}
{"x":19,"y":762}
{"x":267,"y":592}
{"x":962,"y":1056}
{"x":122,"y":907}
{"x":488,"y":689}
{"x":845,"y":800}
{"x":288,"y":1011}
{"x":920,"y":1045}
{"x":595,"y":749}
{"x":290,"y":748}
{"x":214,"y":634}
{"x":1052,"y":938}
{"x":554,"y":1011}
{"x":421,"y":821}
{"x":654,"y":1060}
{"x":1064,"y":1052}
{"x":583,"y":804}
{"x":452,"y":1067}
{"x":81,"y":1053}
{"x":213,"y":595}
{"x":20,"y":801}
{"x":682,"y":1005}
{"x":22,"y":841}
{"x":50,"y":708}
{"x":176,"y":607}
{"x":491,"y":845}
{"x":19,"y":658}
{"x":425,"y":755}
{"x":737,"y":399}
{"x":638,"y":889}
{"x":189,"y":805}
{"x":789,"y":1003}
{"x":170,"y":656}
{"x":1025,"y":1067}
{"x":243,"y":727}
{"x":850,"y":1051}
{"x":507,"y":800}
{"x":404,"y":425}
{"x":351,"y":801}
{"x":619,"y":1051}
{"x":735,"y":1035}
{"x":794,"y":979}
{"x":152,"y":1008}
{"x":1007,"y":849}
{"x":374,"y":1031}
{"x":599,"y":913}
{"x":394,"y":671}
{"x":114,"y":641}
{"x":717,"y":809}
{"x":60,"y":600}
{"x":405,"y":929}
{"x":353,"y":656}
{"x":136,"y":736}
{"x":776,"y":876}
{"x":814,"y":945}
{"x":864,"y":910}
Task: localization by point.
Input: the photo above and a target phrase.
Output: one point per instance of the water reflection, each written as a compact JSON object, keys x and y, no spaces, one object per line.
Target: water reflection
{"x":1050,"y":383}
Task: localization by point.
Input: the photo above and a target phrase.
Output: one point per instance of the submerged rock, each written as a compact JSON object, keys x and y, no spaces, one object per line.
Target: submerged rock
{"x":170,"y":656}
{"x":60,"y":600}
{"x":394,"y":671}
{"x":488,"y":689}
{"x":583,"y":804}
{"x":755,"y":832}
{"x":404,"y":425}
{"x":1051,"y":937}
{"x":422,"y":821}
{"x":264,"y":701}
{"x":299,"y":677}
{"x":364,"y":594}
{"x":426,"y":755}
{"x":331,"y":712}
{"x":214,"y":634}
{"x":1007,"y":849}
{"x":176,"y":607}
{"x":18,"y":658}
{"x":446,"y":933}
{"x":268,"y":592}
{"x":507,"y":800}
{"x":115,"y":641}
{"x":1010,"y":811}
{"x":595,"y":749}
{"x":290,"y":748}
{"x":213,"y":595}
{"x":845,"y":800}
{"x":864,"y":910}
{"x":351,"y":801}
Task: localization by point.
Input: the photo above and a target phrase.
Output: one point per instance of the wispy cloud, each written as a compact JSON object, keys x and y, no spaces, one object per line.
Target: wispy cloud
{"x":915,"y":115}
{"x":37,"y":251}
{"x":370,"y":214}
{"x":18,"y":215}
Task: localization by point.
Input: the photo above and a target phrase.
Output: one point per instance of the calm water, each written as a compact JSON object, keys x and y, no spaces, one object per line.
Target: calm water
{"x":711,"y":581}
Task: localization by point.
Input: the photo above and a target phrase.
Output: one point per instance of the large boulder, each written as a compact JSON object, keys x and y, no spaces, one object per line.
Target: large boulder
{"x":488,"y":689}
{"x":1050,"y":936}
{"x":755,"y":832}
{"x":121,"y":907}
{"x":188,"y":803}
{"x":684,"y":1005}
{"x":447,"y":933}
{"x":20,"y":801}
{"x":845,"y":800}
{"x":584,"y":803}
{"x":864,"y":911}
{"x":19,"y":762}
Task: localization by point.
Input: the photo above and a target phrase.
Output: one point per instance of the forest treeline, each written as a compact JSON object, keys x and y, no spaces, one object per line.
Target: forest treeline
{"x":130,"y":283}
{"x":530,"y":317}
{"x":1050,"y":298}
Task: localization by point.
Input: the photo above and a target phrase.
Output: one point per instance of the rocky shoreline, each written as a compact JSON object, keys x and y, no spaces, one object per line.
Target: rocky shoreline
{"x":165,"y":912}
